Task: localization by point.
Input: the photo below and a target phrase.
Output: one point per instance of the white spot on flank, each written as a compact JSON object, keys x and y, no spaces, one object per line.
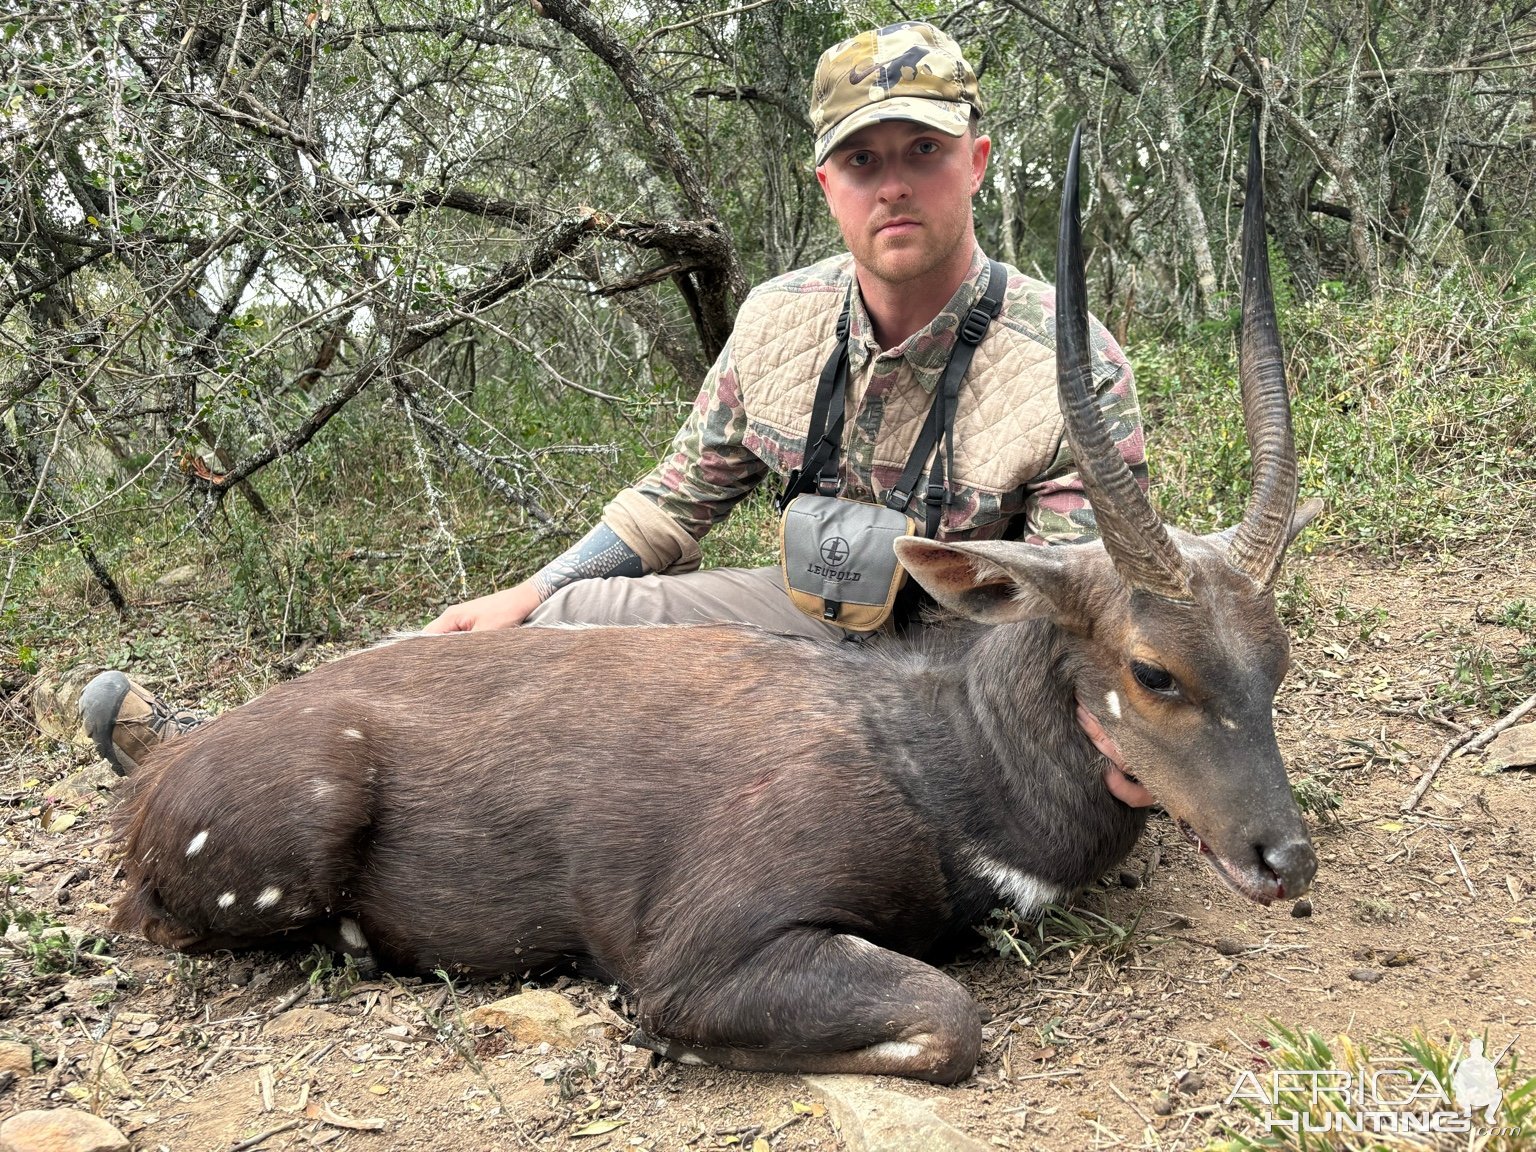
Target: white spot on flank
{"x":351,"y":733}
{"x":857,"y":943}
{"x":895,"y":1049}
{"x":197,"y":842}
{"x":1112,"y":703}
{"x":226,"y":899}
{"x":306,"y":712}
{"x":689,"y":1058}
{"x":322,"y":789}
{"x":269,"y":897}
{"x":1027,"y":894}
{"x":351,"y":935}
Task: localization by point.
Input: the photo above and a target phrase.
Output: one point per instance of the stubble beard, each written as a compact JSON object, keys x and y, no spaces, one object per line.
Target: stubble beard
{"x":929,"y":252}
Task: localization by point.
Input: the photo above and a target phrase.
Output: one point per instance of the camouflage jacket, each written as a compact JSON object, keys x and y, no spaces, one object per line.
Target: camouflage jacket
{"x":751,"y":417}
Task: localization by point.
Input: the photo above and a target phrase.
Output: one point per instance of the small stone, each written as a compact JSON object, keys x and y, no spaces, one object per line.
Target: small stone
{"x":1162,"y":1103}
{"x":60,"y":1130}
{"x":870,"y":1119}
{"x":1231,"y":947}
{"x":538,"y":1016}
{"x":185,"y":574}
{"x":1302,"y":908}
{"x":1399,"y":960}
{"x":15,"y":1057}
{"x":1129,"y":879}
{"x":304,"y":1022}
{"x":1366,"y":975}
{"x":1191,"y":1082}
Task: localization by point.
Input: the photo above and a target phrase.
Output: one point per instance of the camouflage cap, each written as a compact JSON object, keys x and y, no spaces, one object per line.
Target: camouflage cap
{"x":908,"y":71}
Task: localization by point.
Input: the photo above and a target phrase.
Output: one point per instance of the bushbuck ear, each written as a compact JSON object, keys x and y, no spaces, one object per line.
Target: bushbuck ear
{"x":1304,"y":514}
{"x":1305,"y":511}
{"x":996,"y":582}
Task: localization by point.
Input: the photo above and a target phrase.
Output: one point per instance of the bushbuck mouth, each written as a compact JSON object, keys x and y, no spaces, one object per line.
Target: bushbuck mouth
{"x":1255,"y":880}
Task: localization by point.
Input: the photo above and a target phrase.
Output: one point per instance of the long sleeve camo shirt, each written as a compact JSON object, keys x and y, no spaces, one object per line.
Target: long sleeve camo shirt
{"x":1013,"y":473}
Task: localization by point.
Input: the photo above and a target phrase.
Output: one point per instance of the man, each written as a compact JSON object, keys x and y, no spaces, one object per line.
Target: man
{"x":898,"y":157}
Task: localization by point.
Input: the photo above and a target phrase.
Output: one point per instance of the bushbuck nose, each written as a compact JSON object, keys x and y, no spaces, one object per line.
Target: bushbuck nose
{"x":1295,"y":863}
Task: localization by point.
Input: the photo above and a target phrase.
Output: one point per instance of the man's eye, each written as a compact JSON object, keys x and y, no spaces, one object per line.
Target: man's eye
{"x":927,"y":147}
{"x":859,"y":159}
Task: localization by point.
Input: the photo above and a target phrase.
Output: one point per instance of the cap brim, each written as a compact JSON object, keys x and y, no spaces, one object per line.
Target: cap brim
{"x":952,"y":117}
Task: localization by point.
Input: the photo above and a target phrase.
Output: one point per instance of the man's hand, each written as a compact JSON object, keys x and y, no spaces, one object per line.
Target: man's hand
{"x":1121,"y":786}
{"x":504,"y":609}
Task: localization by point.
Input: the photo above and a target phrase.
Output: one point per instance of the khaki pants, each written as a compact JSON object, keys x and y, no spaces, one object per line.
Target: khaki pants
{"x":710,"y":596}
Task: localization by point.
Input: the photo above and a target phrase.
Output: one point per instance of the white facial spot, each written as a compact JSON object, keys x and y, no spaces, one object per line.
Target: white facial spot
{"x":1112,"y":704}
{"x":351,"y":733}
{"x":896,"y":1050}
{"x":269,"y":897}
{"x":351,"y":935}
{"x":226,"y":900}
{"x":1229,"y":724}
{"x":196,"y":844}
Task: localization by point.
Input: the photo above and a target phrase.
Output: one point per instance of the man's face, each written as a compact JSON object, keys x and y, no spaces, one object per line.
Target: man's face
{"x":901,"y":193}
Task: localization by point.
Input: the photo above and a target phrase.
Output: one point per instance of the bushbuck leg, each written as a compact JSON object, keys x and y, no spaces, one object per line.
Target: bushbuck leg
{"x":819,"y":1001}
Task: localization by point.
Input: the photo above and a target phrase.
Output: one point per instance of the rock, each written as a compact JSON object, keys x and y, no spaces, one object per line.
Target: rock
{"x":540,"y":1017}
{"x":185,"y":574}
{"x":871,"y":1119}
{"x":1302,"y":908}
{"x":15,"y":1057}
{"x":304,"y":1022}
{"x":83,"y":788}
{"x":76,"y":936}
{"x":60,"y":1130}
{"x":1162,"y":1104}
{"x":1514,"y":747}
{"x":56,"y":705}
{"x":1366,"y":975}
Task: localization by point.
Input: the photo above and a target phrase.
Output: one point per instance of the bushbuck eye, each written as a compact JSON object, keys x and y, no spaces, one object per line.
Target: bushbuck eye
{"x":1153,"y":678}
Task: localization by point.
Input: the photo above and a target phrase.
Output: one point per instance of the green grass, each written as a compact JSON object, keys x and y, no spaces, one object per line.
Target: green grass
{"x":1415,"y":418}
{"x":1067,"y":934}
{"x":1412,"y":1075}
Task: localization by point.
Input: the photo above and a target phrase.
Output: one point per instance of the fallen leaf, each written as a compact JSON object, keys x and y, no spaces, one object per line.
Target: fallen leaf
{"x":807,"y":1109}
{"x":379,"y":1089}
{"x":1390,"y":826}
{"x":598,"y":1127}
{"x":55,"y":821}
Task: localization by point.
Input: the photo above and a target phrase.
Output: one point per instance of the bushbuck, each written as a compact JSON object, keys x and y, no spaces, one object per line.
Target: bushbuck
{"x":760,"y":837}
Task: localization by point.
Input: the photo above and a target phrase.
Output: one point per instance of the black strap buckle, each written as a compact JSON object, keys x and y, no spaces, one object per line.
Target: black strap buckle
{"x":975,"y":325}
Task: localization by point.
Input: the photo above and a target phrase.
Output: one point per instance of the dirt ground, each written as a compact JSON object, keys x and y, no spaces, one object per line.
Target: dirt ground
{"x":1419,"y":921}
